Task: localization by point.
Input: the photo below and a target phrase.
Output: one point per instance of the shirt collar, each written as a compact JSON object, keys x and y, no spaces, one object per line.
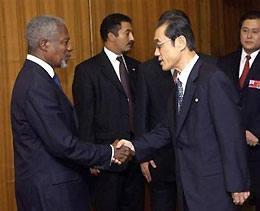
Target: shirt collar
{"x":42,"y":63}
{"x":252,"y":55}
{"x":184,"y":74}
{"x":111,"y":55}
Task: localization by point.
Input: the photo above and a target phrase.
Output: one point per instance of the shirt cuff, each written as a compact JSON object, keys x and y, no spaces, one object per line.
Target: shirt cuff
{"x":113,"y":152}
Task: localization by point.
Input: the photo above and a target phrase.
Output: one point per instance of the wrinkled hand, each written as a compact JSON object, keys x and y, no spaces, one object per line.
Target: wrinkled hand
{"x":121,"y":153}
{"x":251,"y":139}
{"x":145,"y":169}
{"x":94,"y":171}
{"x":240,"y":197}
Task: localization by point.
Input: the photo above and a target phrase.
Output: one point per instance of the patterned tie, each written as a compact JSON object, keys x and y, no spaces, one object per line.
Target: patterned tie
{"x":125,"y":81}
{"x":179,"y":95}
{"x":57,"y":80}
{"x":245,"y":71}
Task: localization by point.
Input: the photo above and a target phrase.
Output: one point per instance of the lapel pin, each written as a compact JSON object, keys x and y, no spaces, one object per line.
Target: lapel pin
{"x":133,"y":69}
{"x":196,"y":100}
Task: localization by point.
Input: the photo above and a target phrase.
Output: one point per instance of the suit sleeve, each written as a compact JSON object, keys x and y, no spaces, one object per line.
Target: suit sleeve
{"x":224,"y":101}
{"x":52,"y":121}
{"x":83,"y":96}
{"x":152,"y":141}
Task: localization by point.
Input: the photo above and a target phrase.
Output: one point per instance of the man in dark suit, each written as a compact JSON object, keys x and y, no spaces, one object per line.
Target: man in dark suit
{"x":50,"y":161}
{"x":105,"y":109}
{"x":153,"y":89}
{"x":245,"y":74}
{"x":206,"y":132}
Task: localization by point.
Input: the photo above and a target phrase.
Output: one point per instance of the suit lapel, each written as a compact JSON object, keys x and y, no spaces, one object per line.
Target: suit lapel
{"x":235,"y":71}
{"x":131,"y":71}
{"x":188,"y":95}
{"x":109,"y":71}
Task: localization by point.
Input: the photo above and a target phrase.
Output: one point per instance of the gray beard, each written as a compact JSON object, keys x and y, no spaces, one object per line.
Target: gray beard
{"x":63,"y":64}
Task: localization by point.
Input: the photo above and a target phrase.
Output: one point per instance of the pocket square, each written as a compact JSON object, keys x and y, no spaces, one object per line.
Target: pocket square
{"x":254,"y":84}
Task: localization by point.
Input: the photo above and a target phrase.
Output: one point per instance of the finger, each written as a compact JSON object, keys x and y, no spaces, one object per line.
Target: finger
{"x":117,"y":161}
{"x":148,"y":176}
{"x":241,"y":198}
{"x":235,"y":198}
{"x":153,"y":164}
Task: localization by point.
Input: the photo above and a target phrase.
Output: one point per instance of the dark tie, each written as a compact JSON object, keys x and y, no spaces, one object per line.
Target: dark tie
{"x":125,"y":81}
{"x":179,"y":94}
{"x":57,"y":80}
{"x":245,"y":71}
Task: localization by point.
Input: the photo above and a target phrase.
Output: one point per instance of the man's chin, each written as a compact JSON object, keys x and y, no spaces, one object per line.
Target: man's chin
{"x":63,"y":64}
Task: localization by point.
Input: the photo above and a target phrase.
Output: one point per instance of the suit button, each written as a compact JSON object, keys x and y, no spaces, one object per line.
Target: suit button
{"x":127,"y":99}
{"x":127,"y":115}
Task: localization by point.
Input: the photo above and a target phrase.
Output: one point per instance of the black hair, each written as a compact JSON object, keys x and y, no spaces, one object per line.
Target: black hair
{"x":173,"y":13}
{"x":177,"y":26}
{"x":249,"y":15}
{"x":112,"y":23}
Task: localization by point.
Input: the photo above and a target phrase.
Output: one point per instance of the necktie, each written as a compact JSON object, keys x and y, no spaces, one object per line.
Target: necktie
{"x":125,"y":81}
{"x":245,"y":71}
{"x":179,"y":94}
{"x":57,"y":80}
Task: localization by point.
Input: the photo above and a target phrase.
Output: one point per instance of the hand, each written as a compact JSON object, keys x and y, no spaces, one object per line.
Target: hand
{"x":240,"y":197}
{"x":145,"y":169}
{"x":121,"y":153}
{"x":94,"y":171}
{"x":124,"y":142}
{"x":251,"y":139}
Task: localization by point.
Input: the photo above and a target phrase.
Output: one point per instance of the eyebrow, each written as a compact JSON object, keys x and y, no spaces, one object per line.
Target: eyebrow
{"x":129,"y":30}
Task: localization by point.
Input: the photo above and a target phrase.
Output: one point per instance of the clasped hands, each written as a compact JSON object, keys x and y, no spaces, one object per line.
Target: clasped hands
{"x":123,"y":151}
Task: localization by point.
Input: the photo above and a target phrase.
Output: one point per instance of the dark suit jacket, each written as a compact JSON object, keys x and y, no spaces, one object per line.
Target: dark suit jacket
{"x":250,"y":97}
{"x":101,"y":102}
{"x":48,"y":156}
{"x":208,"y":139}
{"x":153,"y":89}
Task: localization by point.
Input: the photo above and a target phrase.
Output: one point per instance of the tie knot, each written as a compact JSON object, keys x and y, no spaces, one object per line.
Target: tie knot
{"x":174,"y":76}
{"x":120,"y":59}
{"x":248,"y":57}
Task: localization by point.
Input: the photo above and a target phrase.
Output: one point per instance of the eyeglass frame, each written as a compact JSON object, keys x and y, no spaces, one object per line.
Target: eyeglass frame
{"x":160,"y":44}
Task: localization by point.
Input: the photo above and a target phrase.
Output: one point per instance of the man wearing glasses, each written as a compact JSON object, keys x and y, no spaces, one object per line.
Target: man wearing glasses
{"x":203,"y":125}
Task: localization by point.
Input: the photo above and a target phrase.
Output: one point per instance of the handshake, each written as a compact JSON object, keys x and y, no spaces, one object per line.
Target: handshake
{"x":123,"y":151}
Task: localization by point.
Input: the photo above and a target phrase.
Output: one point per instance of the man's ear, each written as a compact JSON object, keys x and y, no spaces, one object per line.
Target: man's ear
{"x":111,"y":37}
{"x":43,"y":44}
{"x":181,"y":42}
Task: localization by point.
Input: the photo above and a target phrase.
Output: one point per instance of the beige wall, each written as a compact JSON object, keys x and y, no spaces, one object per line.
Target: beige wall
{"x":214,"y":24}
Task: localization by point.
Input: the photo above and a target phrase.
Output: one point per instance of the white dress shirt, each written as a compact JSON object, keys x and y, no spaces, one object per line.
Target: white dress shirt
{"x":184,"y":74}
{"x":243,"y":60}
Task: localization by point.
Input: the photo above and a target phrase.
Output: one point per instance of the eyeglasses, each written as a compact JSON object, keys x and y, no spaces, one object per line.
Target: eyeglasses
{"x":160,"y":44}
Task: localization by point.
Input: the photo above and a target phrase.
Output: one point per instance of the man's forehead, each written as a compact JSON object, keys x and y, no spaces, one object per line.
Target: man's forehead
{"x":251,"y":22}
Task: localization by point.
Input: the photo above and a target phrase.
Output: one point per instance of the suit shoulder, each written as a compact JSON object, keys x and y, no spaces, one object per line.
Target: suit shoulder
{"x":89,"y":63}
{"x":208,"y":69}
{"x":151,"y":65}
{"x":132,"y":60}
